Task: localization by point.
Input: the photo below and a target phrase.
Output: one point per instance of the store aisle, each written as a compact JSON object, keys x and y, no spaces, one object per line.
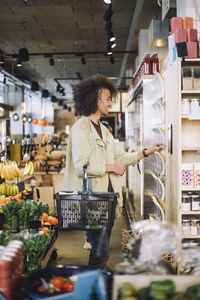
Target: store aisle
{"x":70,"y":246}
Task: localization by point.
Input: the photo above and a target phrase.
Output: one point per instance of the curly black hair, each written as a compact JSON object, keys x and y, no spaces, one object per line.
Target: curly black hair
{"x":85,"y":93}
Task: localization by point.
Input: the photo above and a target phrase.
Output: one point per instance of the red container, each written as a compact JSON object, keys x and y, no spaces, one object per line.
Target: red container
{"x":180,"y":36}
{"x":192,"y":35}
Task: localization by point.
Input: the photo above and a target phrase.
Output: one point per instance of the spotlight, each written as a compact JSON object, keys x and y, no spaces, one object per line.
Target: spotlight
{"x":69,"y":109}
{"x":24,"y":118}
{"x":109,"y":51}
{"x":15,"y":117}
{"x":29,"y":119}
{"x":113,"y":45}
{"x":108,"y":25}
{"x":112,"y":60}
{"x":1,"y":58}
{"x":83,"y":60}
{"x":53,"y":99}
{"x":108,"y":14}
{"x":19,"y":63}
{"x":45,"y":94}
{"x":51,"y":61}
{"x":111,"y":36}
{"x":23,"y":54}
{"x":64,"y":106}
{"x":34,"y":86}
{"x":107,"y":1}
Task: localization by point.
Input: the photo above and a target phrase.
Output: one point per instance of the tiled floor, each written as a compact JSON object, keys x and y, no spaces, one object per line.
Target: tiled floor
{"x":71,"y":252}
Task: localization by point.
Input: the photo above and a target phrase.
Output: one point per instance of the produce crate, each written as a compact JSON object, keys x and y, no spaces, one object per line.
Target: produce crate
{"x":140,"y":281}
{"x":80,"y":211}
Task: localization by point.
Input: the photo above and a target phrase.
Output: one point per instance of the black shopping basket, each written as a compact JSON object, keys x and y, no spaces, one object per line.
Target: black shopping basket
{"x":86,"y":210}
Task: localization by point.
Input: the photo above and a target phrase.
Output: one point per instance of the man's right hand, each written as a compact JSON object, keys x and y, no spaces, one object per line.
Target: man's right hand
{"x":118,"y":169}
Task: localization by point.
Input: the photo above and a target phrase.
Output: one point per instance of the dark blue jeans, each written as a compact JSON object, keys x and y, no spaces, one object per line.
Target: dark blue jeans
{"x":99,"y":253}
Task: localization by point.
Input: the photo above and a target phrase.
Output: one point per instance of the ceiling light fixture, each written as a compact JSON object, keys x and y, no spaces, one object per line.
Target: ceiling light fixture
{"x":109,"y":51}
{"x":1,"y":57}
{"x":19,"y":63}
{"x":24,"y":118}
{"x":29,"y":119}
{"x":23,"y":54}
{"x":111,"y":36}
{"x":107,"y":1}
{"x":15,"y":117}
{"x":113,"y":45}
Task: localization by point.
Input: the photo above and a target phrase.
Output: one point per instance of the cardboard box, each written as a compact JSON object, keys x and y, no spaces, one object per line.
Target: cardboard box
{"x":192,"y":50}
{"x":192,"y":35}
{"x":188,"y":23}
{"x":180,"y":36}
{"x":176,"y":23}
{"x":46,"y":195}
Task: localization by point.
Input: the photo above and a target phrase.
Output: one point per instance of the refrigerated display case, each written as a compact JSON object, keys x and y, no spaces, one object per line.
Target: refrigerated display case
{"x":145,"y":125}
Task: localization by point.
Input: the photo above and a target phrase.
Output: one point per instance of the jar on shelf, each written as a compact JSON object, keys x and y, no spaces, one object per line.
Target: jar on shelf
{"x":195,"y":202}
{"x":195,"y":107}
{"x":186,"y":203}
{"x":186,"y":226}
{"x":194,"y":227}
{"x":185,"y":106}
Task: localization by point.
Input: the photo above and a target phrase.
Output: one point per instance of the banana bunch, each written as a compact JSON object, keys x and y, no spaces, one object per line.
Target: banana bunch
{"x":8,"y":189}
{"x":10,"y":170}
{"x":28,"y":170}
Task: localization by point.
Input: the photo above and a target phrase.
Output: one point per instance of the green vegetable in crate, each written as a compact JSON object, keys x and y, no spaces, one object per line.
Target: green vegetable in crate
{"x":161,"y":289}
{"x":126,"y":290}
{"x":143,"y":293}
{"x":52,"y":213}
{"x":193,"y":292}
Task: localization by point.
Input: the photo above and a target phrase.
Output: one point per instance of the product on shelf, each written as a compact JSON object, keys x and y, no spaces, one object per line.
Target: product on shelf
{"x":187,"y":175}
{"x":197,"y":175}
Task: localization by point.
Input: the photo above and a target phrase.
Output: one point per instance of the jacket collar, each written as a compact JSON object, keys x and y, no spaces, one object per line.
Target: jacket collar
{"x":93,"y":130}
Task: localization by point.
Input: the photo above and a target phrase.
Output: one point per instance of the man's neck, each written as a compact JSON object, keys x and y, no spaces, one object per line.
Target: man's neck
{"x":94,"y":118}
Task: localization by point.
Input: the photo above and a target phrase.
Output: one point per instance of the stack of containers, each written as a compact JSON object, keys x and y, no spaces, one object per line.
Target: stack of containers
{"x":11,"y":270}
{"x":182,"y":41}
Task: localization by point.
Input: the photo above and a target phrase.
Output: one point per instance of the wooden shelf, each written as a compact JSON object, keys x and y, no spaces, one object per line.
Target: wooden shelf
{"x":190,"y":92}
{"x":195,"y":148}
{"x":190,"y":236}
{"x":191,"y":212}
{"x":187,"y":189}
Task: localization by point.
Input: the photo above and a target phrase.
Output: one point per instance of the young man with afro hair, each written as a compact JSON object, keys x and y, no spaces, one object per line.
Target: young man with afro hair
{"x":90,"y":143}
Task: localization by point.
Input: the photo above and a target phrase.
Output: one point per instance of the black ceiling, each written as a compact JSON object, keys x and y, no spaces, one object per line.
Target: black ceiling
{"x":64,"y":26}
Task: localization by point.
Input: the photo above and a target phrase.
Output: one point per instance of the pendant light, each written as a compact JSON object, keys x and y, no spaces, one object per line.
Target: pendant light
{"x":15,"y":116}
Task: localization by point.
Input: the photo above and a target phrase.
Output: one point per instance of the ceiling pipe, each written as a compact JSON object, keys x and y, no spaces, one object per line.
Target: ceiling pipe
{"x":136,"y":15}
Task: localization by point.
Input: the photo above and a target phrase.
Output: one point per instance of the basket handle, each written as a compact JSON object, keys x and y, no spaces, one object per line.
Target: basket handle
{"x":85,"y":179}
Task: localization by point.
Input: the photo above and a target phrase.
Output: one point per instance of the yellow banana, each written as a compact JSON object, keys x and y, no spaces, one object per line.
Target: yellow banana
{"x":11,"y":172}
{"x":27,"y":168}
{"x":18,"y":172}
{"x":32,"y":168}
{"x":6,"y":173}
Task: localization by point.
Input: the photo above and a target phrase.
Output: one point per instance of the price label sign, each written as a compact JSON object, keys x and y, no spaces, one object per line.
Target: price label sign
{"x":21,"y":186}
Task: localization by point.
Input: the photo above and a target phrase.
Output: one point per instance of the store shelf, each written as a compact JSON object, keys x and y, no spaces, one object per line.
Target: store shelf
{"x":190,"y":236}
{"x":191,"y":212}
{"x":190,"y":92}
{"x":195,"y":148}
{"x":187,"y":189}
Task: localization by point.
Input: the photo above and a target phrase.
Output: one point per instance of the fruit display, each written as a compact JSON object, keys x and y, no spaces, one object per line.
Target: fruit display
{"x":8,"y":189}
{"x":10,"y":170}
{"x":29,"y":168}
{"x":158,"y":290}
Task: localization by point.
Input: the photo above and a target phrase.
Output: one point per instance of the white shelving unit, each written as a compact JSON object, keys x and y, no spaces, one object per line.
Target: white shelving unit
{"x":186,"y":143}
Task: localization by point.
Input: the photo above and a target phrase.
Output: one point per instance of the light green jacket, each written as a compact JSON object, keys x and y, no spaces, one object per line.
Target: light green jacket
{"x":86,"y":147}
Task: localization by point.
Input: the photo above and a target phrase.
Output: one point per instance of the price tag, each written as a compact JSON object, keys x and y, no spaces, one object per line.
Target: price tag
{"x":21,"y":186}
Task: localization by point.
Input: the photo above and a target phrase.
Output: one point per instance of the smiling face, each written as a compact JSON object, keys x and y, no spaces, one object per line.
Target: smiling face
{"x":104,"y":102}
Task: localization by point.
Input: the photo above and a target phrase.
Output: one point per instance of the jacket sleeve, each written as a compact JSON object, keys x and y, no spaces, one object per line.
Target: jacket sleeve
{"x":122,"y":157}
{"x":81,"y":150}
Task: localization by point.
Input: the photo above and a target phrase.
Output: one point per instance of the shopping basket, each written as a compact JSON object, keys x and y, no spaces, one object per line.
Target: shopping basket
{"x":86,"y":210}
